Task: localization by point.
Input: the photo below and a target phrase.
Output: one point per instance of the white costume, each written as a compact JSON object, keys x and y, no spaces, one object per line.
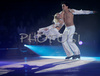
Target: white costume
{"x":52,"y":33}
{"x":67,"y":37}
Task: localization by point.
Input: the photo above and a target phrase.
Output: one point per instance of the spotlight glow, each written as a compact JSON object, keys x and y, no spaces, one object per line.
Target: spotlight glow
{"x":56,"y":52}
{"x":80,"y":42}
{"x":82,"y":58}
{"x":47,"y":50}
{"x":25,"y":45}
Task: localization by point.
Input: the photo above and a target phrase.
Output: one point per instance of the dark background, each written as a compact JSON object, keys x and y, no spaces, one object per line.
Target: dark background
{"x":27,"y":16}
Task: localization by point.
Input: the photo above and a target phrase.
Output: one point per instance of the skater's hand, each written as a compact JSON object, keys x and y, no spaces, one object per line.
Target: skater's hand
{"x":63,"y":6}
{"x":94,"y":12}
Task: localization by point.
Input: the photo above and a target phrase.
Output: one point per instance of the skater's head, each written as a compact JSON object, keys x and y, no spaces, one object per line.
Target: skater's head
{"x":57,"y":17}
{"x":64,"y":3}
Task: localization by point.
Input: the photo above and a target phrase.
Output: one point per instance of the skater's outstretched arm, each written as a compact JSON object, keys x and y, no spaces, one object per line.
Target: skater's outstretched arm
{"x":79,"y":12}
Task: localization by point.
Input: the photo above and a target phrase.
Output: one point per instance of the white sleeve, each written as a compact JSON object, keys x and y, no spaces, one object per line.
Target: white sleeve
{"x":50,"y":27}
{"x":57,"y":24}
{"x":60,"y":12}
{"x":42,"y":29}
{"x":81,"y":12}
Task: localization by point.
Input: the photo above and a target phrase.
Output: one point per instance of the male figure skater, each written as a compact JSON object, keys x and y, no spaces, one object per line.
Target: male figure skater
{"x":69,"y":46}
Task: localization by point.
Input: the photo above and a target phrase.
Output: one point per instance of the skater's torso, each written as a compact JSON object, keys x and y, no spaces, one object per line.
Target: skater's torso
{"x":68,"y":18}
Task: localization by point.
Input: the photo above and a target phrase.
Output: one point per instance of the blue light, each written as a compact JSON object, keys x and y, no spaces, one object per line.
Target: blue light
{"x":82,"y":58}
{"x":54,"y":52}
{"x":47,"y":50}
{"x":25,"y":45}
{"x":80,"y":42}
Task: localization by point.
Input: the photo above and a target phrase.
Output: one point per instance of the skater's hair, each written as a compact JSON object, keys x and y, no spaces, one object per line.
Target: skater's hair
{"x":66,"y":3}
{"x":56,"y":19}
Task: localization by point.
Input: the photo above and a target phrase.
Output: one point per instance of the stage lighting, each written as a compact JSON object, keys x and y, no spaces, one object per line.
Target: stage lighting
{"x":47,"y":50}
{"x":80,"y":42}
{"x":25,"y":45}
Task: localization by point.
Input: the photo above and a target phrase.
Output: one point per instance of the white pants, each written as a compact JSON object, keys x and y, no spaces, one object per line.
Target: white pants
{"x":67,"y":41}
